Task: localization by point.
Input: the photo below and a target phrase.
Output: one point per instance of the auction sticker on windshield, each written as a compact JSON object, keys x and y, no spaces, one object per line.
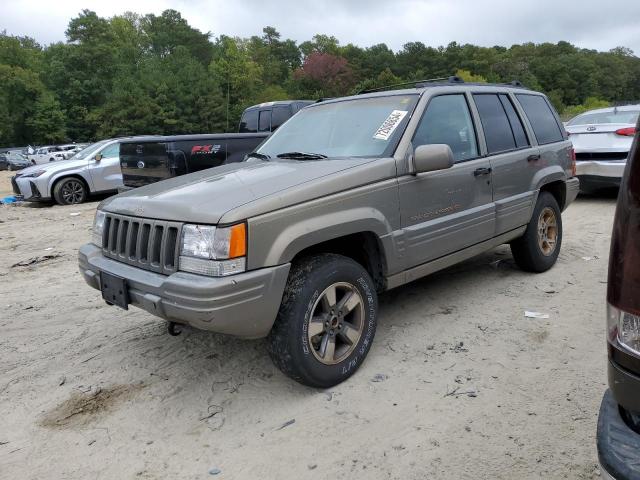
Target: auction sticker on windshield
{"x":390,"y":124}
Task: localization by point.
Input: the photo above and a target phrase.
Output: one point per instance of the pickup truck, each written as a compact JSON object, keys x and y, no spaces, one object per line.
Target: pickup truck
{"x":146,"y":160}
{"x":351,"y":197}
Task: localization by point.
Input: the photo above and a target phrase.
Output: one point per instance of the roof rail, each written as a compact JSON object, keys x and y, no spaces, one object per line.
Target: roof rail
{"x":415,"y":83}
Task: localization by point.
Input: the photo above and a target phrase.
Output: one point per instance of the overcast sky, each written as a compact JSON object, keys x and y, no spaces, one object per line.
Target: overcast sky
{"x":587,"y":23}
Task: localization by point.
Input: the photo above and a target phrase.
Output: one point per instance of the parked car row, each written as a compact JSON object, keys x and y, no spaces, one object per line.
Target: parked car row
{"x":51,"y":153}
{"x":130,"y":162}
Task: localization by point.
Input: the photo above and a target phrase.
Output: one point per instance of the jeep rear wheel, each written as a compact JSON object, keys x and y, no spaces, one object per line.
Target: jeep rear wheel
{"x":70,"y":191}
{"x":538,"y":249}
{"x":327,"y":320}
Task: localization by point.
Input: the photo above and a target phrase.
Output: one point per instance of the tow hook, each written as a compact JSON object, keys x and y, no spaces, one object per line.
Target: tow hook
{"x":173,"y":329}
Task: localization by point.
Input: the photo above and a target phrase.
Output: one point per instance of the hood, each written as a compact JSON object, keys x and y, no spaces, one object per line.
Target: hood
{"x":205,"y":196}
{"x":54,"y":167}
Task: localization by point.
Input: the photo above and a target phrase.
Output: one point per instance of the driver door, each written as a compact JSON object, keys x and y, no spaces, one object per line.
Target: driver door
{"x":447,"y":210}
{"x":106,"y":173}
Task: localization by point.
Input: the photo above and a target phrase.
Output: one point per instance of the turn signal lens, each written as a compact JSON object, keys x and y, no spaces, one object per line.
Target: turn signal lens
{"x":238,"y":241}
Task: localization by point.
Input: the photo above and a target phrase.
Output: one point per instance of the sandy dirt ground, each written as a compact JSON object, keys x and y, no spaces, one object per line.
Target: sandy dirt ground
{"x":458,"y":383}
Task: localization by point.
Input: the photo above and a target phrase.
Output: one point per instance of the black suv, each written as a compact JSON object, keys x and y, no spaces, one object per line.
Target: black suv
{"x":619,"y":420}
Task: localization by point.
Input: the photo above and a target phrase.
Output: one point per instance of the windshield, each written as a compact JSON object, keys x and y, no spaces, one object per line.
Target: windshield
{"x":619,"y":116}
{"x":88,"y":151}
{"x":366,"y":127}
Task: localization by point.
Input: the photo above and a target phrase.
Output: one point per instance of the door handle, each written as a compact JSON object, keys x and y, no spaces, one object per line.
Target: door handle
{"x":482,"y":171}
{"x":533,"y":158}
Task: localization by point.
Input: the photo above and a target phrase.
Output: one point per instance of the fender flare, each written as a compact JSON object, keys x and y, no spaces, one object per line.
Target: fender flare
{"x":330,"y":226}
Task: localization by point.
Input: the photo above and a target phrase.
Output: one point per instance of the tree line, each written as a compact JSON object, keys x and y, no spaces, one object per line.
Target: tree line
{"x":136,"y":74}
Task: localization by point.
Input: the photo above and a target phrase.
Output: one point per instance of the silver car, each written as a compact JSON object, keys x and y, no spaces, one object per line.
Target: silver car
{"x":96,"y":169}
{"x":602,"y":140}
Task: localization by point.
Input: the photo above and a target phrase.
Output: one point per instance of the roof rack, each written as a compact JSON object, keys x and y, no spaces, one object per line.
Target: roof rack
{"x":416,"y":83}
{"x":442,"y":80}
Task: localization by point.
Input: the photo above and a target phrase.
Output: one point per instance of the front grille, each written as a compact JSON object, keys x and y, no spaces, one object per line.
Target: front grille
{"x":602,"y":156}
{"x":144,"y":243}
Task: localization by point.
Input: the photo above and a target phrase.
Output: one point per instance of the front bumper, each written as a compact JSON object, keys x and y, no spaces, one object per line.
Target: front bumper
{"x":29,"y":188}
{"x":618,"y":445}
{"x":244,"y":305}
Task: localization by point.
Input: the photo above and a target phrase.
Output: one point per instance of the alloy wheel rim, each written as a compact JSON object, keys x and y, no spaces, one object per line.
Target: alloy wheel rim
{"x":72,"y":191}
{"x":547,"y":231}
{"x":336,"y":324}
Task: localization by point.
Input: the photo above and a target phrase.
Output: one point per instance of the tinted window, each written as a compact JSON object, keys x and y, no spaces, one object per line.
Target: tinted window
{"x":497,"y":130}
{"x":514,"y":120}
{"x":447,"y":120}
{"x":542,"y":119}
{"x":249,"y":122}
{"x":279,"y":116}
{"x":264,"y":121}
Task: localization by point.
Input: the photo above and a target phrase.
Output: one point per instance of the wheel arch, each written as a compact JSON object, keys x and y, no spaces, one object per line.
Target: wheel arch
{"x":364,"y":247}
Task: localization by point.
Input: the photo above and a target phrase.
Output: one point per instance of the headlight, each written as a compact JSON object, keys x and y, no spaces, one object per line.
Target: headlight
{"x":213,"y":251}
{"x":625,"y":327}
{"x":98,"y":228}
{"x":37,"y":173}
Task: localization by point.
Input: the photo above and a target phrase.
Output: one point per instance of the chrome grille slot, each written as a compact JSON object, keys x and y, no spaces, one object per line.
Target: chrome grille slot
{"x":144,"y":243}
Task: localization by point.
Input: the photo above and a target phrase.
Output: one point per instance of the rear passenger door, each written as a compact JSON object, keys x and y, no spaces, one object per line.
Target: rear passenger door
{"x":514,"y":159}
{"x":448,"y":210}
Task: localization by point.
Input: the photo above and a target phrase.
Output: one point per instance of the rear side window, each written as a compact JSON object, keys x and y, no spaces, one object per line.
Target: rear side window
{"x":264,"y":121}
{"x":495,"y":123}
{"x":541,"y":117}
{"x":249,"y":122}
{"x":447,"y":120}
{"x":517,"y":128}
{"x":279,"y":116}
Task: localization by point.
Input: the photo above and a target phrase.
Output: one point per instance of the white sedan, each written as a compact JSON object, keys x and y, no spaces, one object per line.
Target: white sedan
{"x":602,"y":139}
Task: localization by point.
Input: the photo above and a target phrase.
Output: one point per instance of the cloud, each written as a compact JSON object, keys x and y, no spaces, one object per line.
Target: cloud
{"x":587,"y":24}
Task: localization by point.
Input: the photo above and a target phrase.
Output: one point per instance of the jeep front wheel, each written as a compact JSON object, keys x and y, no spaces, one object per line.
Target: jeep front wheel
{"x":327,"y":320}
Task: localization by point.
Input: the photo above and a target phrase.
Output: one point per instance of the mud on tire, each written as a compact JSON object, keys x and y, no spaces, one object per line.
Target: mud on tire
{"x":313,"y":341}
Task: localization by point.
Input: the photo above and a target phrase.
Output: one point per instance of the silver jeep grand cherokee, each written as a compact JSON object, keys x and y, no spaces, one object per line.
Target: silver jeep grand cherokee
{"x":350,"y":197}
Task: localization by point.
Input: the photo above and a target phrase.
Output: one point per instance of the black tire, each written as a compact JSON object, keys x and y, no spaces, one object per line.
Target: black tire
{"x":70,"y":191}
{"x":290,"y":344}
{"x":530,"y":251}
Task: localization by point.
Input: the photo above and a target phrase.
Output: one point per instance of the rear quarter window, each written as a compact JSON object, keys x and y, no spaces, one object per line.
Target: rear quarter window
{"x":543,"y":121}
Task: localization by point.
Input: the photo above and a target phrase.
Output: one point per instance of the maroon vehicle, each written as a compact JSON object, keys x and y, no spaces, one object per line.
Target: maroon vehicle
{"x":619,"y":419}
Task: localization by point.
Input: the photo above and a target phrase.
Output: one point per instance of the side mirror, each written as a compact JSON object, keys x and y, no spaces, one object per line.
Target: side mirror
{"x":98,"y":157}
{"x":428,"y":158}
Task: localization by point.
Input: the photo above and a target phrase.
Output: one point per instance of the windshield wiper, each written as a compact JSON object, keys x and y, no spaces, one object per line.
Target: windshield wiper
{"x":261,"y":156}
{"x":301,"y":156}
